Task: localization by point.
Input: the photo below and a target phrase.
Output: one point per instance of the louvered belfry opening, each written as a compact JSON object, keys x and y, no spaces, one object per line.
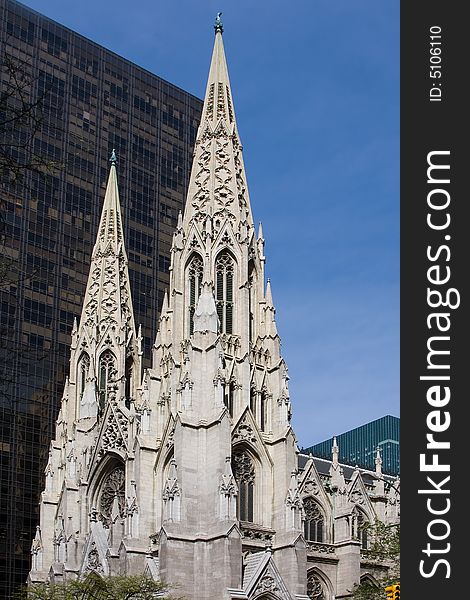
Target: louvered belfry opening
{"x":224,"y":291}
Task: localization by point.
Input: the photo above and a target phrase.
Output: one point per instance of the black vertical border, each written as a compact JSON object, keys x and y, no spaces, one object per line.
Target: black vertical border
{"x":429,"y":126}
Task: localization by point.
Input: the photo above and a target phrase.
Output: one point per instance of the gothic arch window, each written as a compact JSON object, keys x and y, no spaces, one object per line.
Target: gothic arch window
{"x":224,"y":274}
{"x":106,"y":376}
{"x":253,"y":401}
{"x":315,"y":587}
{"x":263,"y":412}
{"x":314,"y":524}
{"x":361,"y":533}
{"x":243,"y":469}
{"x":112,"y":499}
{"x":129,"y":380}
{"x":229,"y":396}
{"x":251,"y":299}
{"x":369,"y":581}
{"x":195,"y":273}
{"x":83,"y":368}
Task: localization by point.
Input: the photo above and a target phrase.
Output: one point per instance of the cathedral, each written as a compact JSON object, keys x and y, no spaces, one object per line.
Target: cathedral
{"x":190,"y":472}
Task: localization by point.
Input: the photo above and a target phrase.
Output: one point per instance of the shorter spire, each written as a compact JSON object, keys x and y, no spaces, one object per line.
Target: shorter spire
{"x":218,"y":26}
{"x":335,"y":452}
{"x":378,"y":462}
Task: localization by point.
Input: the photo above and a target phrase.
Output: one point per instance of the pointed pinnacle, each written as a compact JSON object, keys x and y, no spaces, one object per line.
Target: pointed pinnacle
{"x":260,"y":232}
{"x":269,"y":296}
{"x":165,"y":303}
{"x":180,"y":221}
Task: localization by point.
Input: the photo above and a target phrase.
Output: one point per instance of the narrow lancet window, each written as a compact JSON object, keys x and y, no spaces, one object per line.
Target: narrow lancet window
{"x":224,"y":270}
{"x":314,"y":521}
{"x":263,"y":410}
{"x":106,"y":375}
{"x":83,"y":368}
{"x":195,"y":272}
{"x":129,"y":380}
{"x":253,"y":402}
{"x":244,"y":472}
{"x":229,"y":395}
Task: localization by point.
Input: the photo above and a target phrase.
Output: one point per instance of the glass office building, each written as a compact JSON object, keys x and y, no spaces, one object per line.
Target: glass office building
{"x":94,"y":101}
{"x":358,"y":446}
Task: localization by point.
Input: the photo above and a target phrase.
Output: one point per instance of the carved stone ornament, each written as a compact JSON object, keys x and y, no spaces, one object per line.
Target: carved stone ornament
{"x":243,"y":467}
{"x":115,"y":434}
{"x":228,"y":486}
{"x":321,"y":548}
{"x":311,"y":487}
{"x":171,"y":489}
{"x":357,"y":497}
{"x":93,"y":559}
{"x":267,"y":584}
{"x":244,"y":432}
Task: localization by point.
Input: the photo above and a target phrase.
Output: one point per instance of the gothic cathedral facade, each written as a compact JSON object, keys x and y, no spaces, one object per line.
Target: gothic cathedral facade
{"x":190,"y":472}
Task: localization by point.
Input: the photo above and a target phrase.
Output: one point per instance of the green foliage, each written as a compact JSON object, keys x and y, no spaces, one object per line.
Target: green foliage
{"x":385,"y":549}
{"x":94,"y":587}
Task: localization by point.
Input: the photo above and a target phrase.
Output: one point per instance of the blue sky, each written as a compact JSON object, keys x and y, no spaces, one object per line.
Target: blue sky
{"x":316,"y":92}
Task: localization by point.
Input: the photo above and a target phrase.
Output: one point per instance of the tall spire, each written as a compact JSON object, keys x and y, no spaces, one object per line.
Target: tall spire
{"x":110,"y":229}
{"x":108,"y":295}
{"x":217,"y":185}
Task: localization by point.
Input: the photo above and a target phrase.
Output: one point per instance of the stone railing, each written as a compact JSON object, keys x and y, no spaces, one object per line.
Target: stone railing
{"x":256,"y":533}
{"x":320,"y":548}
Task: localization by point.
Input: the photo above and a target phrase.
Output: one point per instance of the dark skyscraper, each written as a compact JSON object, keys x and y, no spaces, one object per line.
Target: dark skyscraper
{"x":94,"y":101}
{"x":359,"y":446}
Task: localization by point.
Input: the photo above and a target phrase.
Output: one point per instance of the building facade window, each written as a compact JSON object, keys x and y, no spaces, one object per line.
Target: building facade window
{"x":224,"y":271}
{"x":361,"y":532}
{"x":195,"y":272}
{"x":314,"y":521}
{"x":244,"y":472}
{"x":106,"y":375}
{"x":229,"y":396}
{"x":253,"y":402}
{"x":263,"y":412}
{"x":129,"y":380}
{"x":315,"y":589}
{"x":113,"y":496}
{"x":83,"y":368}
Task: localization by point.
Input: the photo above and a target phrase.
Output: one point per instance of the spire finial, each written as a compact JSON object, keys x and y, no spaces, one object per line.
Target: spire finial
{"x":218,"y":24}
{"x":113,"y":159}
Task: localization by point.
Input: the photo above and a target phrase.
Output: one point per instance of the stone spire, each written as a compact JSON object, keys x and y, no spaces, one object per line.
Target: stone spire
{"x":107,"y":301}
{"x":218,"y":183}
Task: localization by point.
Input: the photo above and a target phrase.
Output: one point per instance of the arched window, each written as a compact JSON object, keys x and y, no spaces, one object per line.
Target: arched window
{"x":315,"y":589}
{"x":106,"y":375}
{"x":83,"y":368}
{"x":263,"y":412}
{"x":361,"y":532}
{"x":244,"y":472}
{"x":224,"y":269}
{"x":129,"y":380}
{"x":229,"y":396}
{"x":253,"y":401}
{"x":314,"y":521}
{"x":195,"y":272}
{"x":251,"y":300}
{"x":112,"y":501}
